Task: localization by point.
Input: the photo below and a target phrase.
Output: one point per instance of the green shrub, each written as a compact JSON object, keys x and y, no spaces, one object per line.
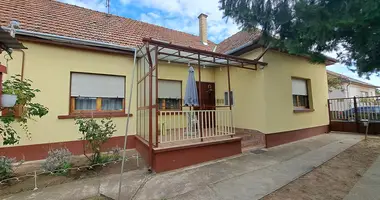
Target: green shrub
{"x":58,"y":161}
{"x":96,"y":134}
{"x":7,"y":166}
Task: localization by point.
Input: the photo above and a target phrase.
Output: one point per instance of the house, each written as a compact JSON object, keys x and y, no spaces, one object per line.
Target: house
{"x":351,"y":87}
{"x":83,"y":60}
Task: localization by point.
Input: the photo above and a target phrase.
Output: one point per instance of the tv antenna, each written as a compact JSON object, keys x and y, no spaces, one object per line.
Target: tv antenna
{"x":108,"y":6}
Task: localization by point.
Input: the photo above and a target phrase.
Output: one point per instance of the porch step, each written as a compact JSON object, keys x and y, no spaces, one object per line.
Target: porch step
{"x":252,"y":141}
{"x":248,"y":143}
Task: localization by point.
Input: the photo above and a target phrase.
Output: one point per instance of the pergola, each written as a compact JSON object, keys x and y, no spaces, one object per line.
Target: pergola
{"x":149,"y":54}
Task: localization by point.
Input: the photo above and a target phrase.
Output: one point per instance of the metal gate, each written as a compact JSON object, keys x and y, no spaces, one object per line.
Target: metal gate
{"x":350,"y":114}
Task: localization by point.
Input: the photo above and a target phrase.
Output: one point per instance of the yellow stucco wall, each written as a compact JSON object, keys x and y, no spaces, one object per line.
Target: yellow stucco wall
{"x":278,"y":92}
{"x":49,"y":68}
{"x":262,"y":98}
{"x":248,"y":92}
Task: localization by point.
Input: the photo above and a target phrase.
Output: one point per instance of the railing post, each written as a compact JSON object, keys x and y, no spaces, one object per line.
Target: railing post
{"x":200,"y":96}
{"x":356,"y":115}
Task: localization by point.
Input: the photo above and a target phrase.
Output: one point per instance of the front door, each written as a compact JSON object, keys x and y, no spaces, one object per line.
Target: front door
{"x":207,"y":102}
{"x":207,"y":91}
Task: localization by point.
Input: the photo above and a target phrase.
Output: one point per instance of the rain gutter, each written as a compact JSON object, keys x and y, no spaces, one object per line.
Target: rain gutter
{"x":70,"y":40}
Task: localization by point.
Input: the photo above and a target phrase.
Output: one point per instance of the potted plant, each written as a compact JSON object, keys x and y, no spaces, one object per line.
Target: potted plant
{"x":17,"y":94}
{"x":8,"y":100}
{"x":23,"y":109}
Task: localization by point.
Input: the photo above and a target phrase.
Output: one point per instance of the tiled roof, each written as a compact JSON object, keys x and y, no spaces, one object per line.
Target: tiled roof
{"x":237,"y":40}
{"x":350,"y":79}
{"x":53,"y":17}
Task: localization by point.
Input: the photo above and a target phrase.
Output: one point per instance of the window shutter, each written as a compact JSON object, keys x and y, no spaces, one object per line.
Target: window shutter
{"x":299,"y":87}
{"x":95,"y":85}
{"x":169,"y":89}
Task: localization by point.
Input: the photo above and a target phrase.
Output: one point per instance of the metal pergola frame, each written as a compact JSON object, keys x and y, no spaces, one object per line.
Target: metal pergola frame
{"x":151,"y":52}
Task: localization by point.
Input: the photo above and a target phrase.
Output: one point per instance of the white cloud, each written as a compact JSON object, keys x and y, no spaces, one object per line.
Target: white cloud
{"x":180,"y":15}
{"x":183,"y":15}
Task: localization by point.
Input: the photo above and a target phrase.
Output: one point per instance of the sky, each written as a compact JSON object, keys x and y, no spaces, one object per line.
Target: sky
{"x":182,"y":15}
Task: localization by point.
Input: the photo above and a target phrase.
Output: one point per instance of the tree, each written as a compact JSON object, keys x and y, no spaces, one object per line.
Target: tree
{"x":334,"y":82}
{"x":315,"y":26}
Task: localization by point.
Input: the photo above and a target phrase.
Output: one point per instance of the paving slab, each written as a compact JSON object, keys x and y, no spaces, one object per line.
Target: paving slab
{"x":203,"y":193}
{"x":259,"y":183}
{"x":368,"y":187}
{"x":247,"y":176}
{"x":77,"y":190}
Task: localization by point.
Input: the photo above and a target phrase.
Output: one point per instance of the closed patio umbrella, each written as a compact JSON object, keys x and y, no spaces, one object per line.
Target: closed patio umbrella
{"x":191,"y":99}
{"x":191,"y":95}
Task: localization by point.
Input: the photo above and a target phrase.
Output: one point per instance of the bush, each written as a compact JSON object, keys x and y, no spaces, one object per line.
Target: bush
{"x":96,"y":134}
{"x":58,"y":161}
{"x":6,"y":167}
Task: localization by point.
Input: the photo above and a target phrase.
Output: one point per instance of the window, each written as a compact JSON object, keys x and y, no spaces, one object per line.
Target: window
{"x":300,"y":94}
{"x":364,"y":94}
{"x":94,"y":92}
{"x":226,"y":98}
{"x":169,"y":95}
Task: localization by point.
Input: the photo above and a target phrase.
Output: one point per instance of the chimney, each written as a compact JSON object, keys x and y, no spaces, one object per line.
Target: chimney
{"x":203,"y":28}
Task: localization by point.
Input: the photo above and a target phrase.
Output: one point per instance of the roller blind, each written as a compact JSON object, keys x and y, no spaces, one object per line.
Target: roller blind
{"x":169,"y":89}
{"x":95,"y":85}
{"x":299,"y":87}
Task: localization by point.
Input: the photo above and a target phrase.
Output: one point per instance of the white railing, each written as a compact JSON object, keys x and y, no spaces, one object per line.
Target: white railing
{"x":197,"y":124}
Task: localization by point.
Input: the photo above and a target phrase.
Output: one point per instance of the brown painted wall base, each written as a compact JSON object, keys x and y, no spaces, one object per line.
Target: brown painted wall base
{"x":39,"y":151}
{"x":276,"y":139}
{"x":171,"y":158}
{"x":374,"y":128}
{"x":143,"y":148}
{"x":178,"y":157}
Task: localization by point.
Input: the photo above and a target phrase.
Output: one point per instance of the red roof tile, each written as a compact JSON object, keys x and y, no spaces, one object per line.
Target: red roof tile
{"x":48,"y":16}
{"x":237,"y":40}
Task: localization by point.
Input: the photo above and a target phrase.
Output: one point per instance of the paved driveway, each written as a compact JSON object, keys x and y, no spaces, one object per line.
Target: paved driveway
{"x":248,"y":176}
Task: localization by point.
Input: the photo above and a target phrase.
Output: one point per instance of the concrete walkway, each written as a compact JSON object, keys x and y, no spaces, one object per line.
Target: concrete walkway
{"x":368,"y":187}
{"x":248,"y":176}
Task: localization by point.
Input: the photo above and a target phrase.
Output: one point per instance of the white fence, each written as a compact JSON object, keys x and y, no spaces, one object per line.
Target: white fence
{"x":346,"y":109}
{"x":197,"y":124}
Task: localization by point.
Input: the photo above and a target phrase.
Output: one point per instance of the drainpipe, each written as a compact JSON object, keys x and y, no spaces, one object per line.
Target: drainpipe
{"x":22,"y":63}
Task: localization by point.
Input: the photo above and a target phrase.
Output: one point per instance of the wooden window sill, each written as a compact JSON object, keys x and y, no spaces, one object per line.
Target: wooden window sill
{"x":303,"y":110}
{"x":94,"y":115}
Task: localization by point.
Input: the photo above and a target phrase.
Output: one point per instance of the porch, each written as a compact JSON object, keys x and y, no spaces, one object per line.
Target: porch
{"x":174,"y":135}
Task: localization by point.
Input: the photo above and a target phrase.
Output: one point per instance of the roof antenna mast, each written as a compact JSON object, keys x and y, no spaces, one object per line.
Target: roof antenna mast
{"x":108,"y":6}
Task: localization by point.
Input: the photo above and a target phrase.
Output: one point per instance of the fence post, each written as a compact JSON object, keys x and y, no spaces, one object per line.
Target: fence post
{"x":356,"y":115}
{"x":329,"y":108}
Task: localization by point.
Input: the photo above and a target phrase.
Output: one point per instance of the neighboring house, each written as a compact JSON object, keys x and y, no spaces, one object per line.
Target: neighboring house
{"x":351,"y":87}
{"x":82,"y":61}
